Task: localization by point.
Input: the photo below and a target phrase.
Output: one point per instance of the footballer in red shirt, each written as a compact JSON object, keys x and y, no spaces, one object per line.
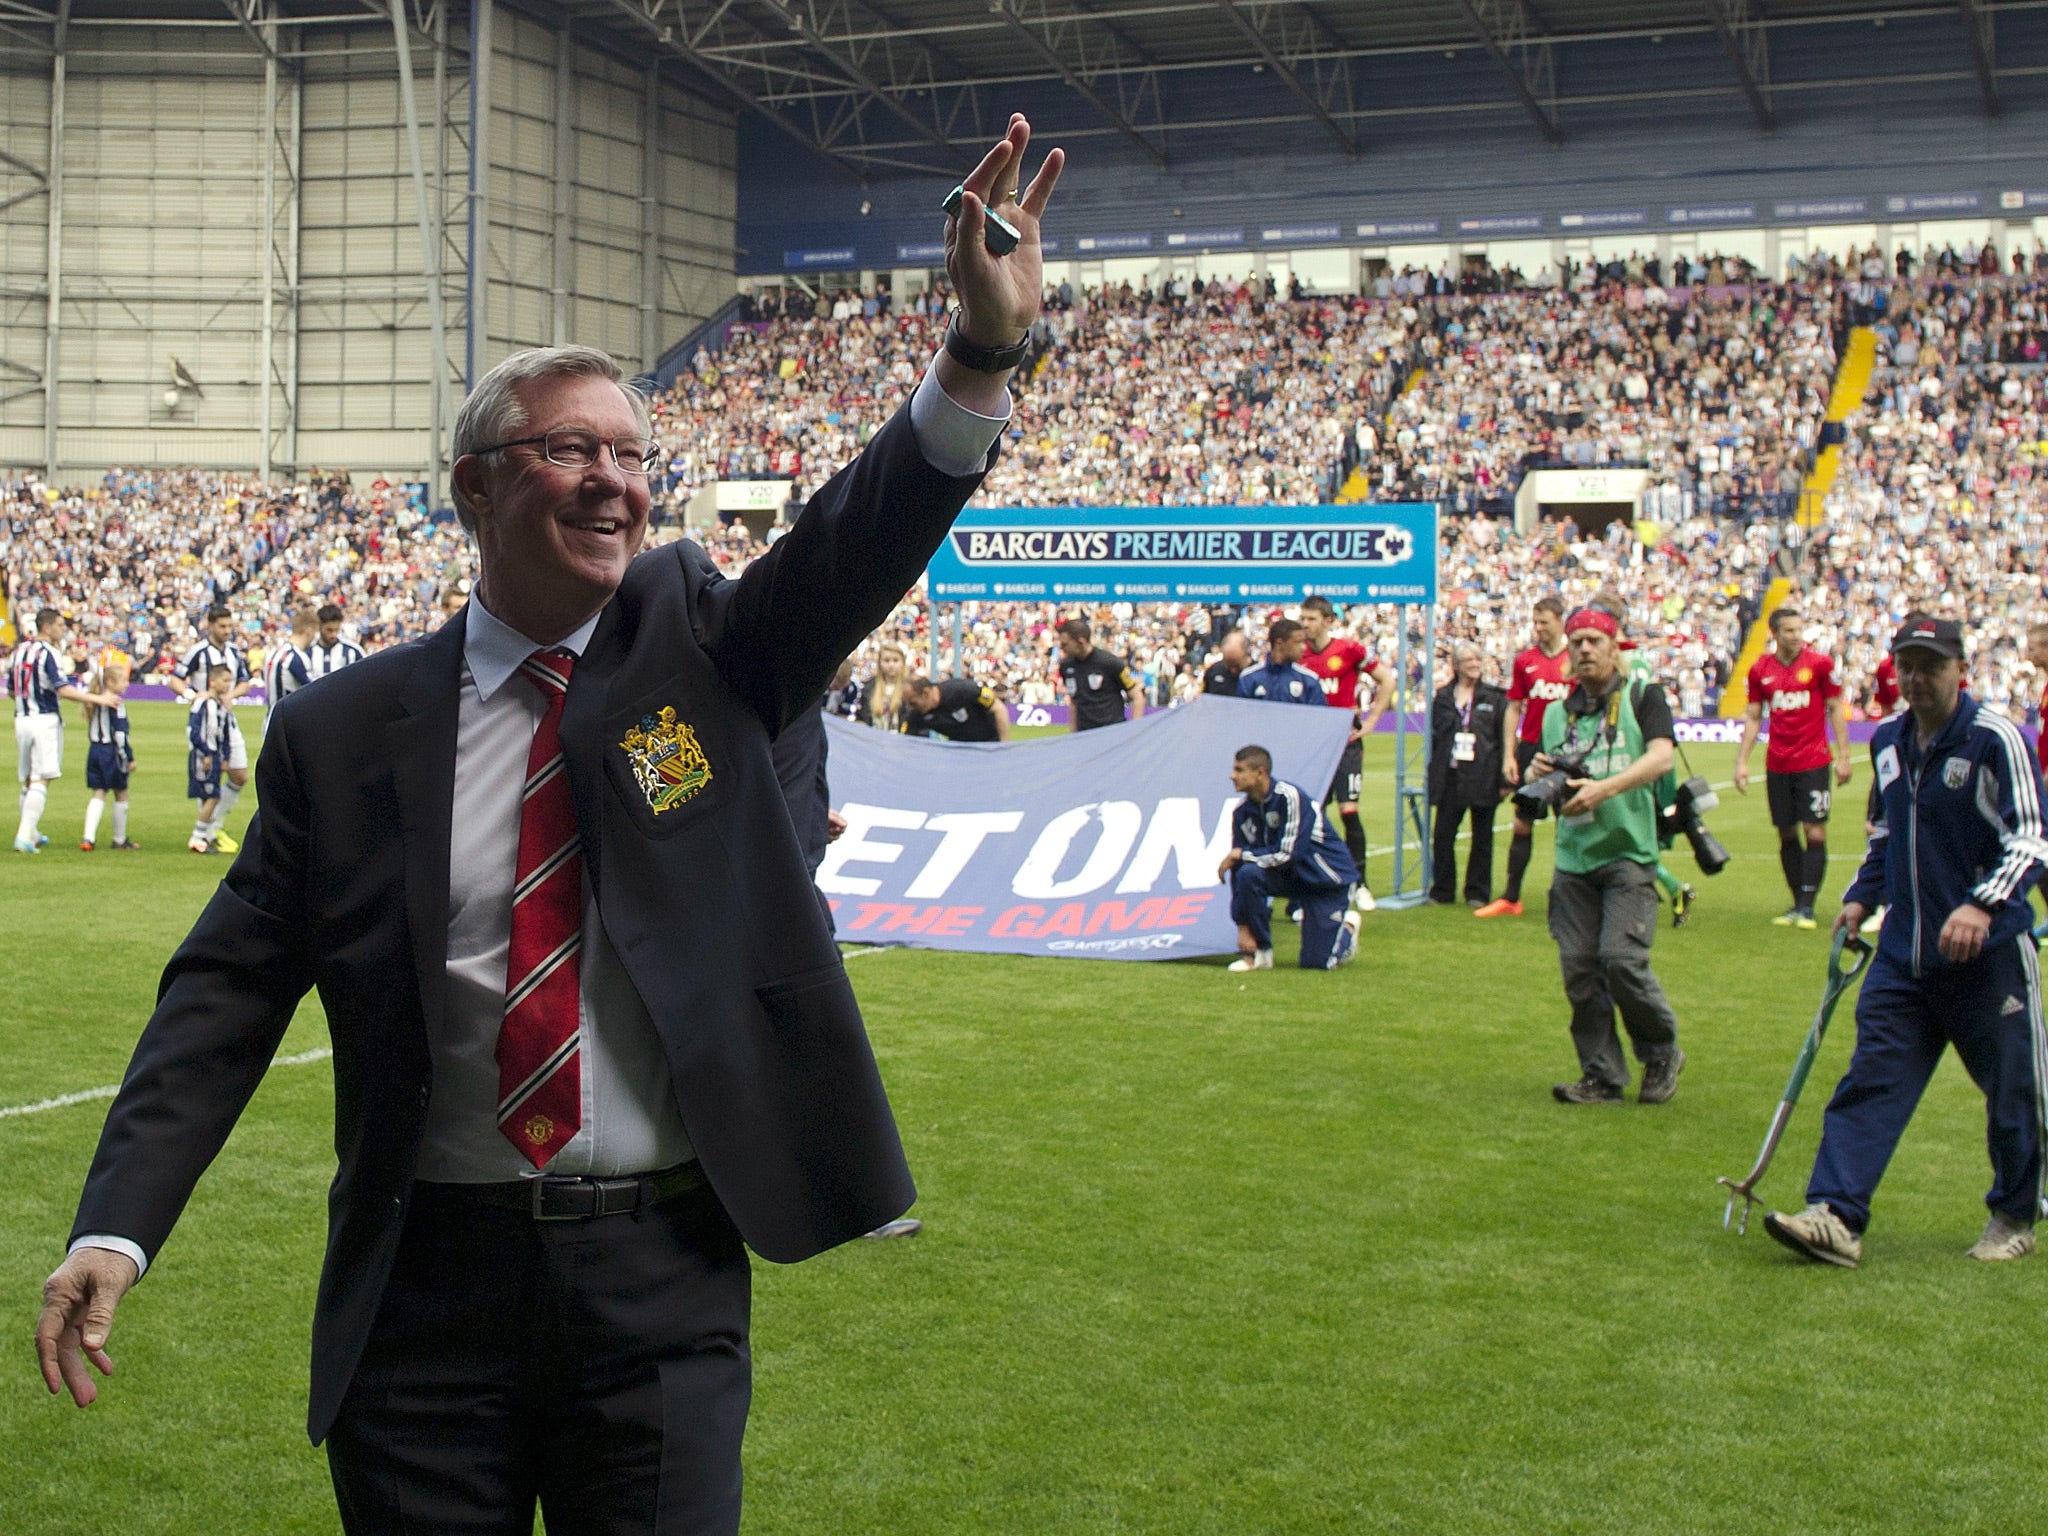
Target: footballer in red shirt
{"x":2037,"y":653}
{"x":1884,"y":691}
{"x":1339,"y":662}
{"x":1541,"y":676}
{"x":1796,"y":686}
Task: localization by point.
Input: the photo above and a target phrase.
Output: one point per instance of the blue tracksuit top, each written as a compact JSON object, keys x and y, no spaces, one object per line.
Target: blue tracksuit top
{"x":1961,"y":822}
{"x":1287,"y":830}
{"x":1281,"y":682}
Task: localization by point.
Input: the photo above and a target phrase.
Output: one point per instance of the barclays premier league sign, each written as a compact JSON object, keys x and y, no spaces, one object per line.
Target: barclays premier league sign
{"x":1350,"y":554}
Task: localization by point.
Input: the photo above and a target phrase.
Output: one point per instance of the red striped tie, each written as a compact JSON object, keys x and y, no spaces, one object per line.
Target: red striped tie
{"x":540,"y":1080}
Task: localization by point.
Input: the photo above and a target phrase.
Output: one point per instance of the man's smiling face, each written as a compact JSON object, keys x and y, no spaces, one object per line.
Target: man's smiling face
{"x":543,"y":527}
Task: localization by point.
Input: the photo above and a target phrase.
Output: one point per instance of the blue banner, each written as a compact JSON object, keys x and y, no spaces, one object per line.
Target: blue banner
{"x":930,"y":250}
{"x":1206,"y":237}
{"x":1502,"y":224}
{"x":1822,"y":208}
{"x":2022,"y":200}
{"x":1300,"y":234}
{"x":836,"y":256}
{"x":1604,"y":218}
{"x":1100,"y":243}
{"x":1364,"y":553}
{"x":1712,"y":213}
{"x":1098,"y":845}
{"x":1934,"y":202}
{"x":1395,"y":229}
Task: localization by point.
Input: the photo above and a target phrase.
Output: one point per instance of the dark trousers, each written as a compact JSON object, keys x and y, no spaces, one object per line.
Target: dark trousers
{"x":1603,"y":921}
{"x":1444,"y":849}
{"x":598,"y":1368}
{"x":1990,"y":1011}
{"x":1324,"y":942}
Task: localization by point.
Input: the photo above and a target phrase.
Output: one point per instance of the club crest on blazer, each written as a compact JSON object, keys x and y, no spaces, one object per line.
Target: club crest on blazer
{"x":668,"y":764}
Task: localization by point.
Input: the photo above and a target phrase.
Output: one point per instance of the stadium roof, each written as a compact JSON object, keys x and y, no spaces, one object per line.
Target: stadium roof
{"x":882,"y":87}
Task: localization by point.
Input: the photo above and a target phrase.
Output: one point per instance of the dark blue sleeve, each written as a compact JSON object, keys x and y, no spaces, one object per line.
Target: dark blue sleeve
{"x":2018,"y":778}
{"x":1245,"y":685}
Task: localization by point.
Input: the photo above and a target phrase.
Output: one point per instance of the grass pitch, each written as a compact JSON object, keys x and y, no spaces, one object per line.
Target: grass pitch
{"x":1203,"y":1253}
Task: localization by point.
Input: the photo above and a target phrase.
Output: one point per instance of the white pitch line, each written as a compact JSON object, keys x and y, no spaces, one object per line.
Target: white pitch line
{"x":874,"y":949}
{"x":87,"y":1095}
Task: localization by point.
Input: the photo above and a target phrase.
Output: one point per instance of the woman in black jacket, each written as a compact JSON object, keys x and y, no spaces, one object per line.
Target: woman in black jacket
{"x":1464,"y":774}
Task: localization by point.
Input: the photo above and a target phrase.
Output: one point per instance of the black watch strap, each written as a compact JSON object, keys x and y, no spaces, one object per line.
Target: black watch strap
{"x":983,"y":359}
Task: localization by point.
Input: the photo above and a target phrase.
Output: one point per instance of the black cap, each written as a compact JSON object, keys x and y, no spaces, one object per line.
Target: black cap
{"x":1942,"y":636}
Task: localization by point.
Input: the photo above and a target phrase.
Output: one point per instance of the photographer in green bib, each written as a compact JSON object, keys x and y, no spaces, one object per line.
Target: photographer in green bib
{"x":1605,"y":747}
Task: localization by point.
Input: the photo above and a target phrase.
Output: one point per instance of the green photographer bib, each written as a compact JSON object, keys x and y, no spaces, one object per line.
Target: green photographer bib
{"x":1624,"y":827}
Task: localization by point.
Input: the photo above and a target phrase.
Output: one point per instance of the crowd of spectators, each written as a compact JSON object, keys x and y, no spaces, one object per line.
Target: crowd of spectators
{"x":1227,"y":392}
{"x":135,"y":561}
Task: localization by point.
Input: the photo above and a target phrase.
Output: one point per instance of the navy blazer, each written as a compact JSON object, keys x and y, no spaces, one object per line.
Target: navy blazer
{"x":342,"y":885}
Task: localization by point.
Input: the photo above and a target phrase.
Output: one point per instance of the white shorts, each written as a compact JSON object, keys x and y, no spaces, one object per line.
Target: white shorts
{"x":238,"y":749}
{"x":39,"y":742}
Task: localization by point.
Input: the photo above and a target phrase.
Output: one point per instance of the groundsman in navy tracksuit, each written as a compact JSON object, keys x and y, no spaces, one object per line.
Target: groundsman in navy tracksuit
{"x":1955,"y":847}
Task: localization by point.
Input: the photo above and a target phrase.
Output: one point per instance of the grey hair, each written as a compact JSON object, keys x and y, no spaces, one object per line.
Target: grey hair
{"x":1466,"y":648}
{"x":494,"y":411}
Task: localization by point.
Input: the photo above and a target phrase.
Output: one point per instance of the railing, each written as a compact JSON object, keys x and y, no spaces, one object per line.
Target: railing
{"x":710,"y":336}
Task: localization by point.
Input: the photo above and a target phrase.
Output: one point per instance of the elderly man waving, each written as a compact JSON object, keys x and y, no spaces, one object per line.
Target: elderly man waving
{"x":590,"y":1035}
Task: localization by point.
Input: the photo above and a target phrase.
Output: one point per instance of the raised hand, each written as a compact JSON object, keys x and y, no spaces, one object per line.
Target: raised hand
{"x":999,"y":294}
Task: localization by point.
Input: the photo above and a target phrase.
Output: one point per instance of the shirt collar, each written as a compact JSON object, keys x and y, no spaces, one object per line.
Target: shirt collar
{"x":493,"y":649}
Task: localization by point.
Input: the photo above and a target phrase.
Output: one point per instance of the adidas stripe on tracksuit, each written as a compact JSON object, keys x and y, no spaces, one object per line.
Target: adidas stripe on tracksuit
{"x":1958,"y":822}
{"x":1289,"y":850}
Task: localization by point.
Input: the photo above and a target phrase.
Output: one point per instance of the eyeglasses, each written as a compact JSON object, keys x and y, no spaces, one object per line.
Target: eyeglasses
{"x":573,"y":448}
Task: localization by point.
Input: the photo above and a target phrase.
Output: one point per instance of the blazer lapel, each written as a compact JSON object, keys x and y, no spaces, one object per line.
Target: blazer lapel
{"x":421,"y":744}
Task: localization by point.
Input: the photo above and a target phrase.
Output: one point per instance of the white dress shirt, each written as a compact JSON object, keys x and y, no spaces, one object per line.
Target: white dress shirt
{"x":630,"y":1121}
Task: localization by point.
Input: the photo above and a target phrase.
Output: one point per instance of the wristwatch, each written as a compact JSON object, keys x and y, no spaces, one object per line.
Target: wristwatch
{"x":983,"y":359}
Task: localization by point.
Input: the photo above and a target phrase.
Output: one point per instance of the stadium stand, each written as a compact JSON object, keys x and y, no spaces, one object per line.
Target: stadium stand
{"x":1773,"y":470}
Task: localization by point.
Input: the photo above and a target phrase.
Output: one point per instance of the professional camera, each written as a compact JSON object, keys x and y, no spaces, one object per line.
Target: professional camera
{"x":1682,"y":816}
{"x":1548,"y":791}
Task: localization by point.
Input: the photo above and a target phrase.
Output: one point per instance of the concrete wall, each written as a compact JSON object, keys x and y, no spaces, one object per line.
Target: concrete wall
{"x":199,"y":181}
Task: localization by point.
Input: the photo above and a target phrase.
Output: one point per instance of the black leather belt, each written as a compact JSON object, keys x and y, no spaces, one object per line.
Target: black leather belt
{"x":554,"y":1198}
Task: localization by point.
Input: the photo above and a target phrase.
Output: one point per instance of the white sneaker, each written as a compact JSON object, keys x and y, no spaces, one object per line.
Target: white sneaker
{"x":1350,"y":951}
{"x":1261,"y":960}
{"x":2003,"y":1238}
{"x":1818,"y":1233}
{"x":1361,"y":901}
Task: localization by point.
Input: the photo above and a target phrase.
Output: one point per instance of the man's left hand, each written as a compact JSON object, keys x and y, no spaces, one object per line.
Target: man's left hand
{"x":1962,"y":936}
{"x":1845,"y":770}
{"x":835,"y":824}
{"x":999,"y":294}
{"x":1230,"y":861}
{"x":1590,"y":794}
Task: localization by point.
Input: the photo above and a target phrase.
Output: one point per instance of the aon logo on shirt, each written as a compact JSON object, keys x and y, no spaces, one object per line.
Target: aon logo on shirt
{"x":1329,"y":685}
{"x":1549,"y":692}
{"x":1791,"y":698}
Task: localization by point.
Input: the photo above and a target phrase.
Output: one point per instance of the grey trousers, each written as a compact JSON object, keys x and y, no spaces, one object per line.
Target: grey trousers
{"x":1603,"y":922}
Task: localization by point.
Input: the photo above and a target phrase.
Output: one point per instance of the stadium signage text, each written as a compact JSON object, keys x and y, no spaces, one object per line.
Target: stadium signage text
{"x":1102,"y":845}
{"x":1362,"y":553}
{"x":1367,"y":545}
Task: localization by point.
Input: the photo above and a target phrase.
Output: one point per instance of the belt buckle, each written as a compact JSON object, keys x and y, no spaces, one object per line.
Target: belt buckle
{"x":540,"y":1188}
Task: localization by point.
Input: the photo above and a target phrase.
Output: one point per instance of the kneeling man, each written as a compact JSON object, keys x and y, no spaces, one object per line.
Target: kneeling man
{"x":1281,"y":846}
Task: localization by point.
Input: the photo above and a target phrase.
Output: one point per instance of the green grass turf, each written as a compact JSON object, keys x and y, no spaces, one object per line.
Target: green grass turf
{"x":1203,"y":1253}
